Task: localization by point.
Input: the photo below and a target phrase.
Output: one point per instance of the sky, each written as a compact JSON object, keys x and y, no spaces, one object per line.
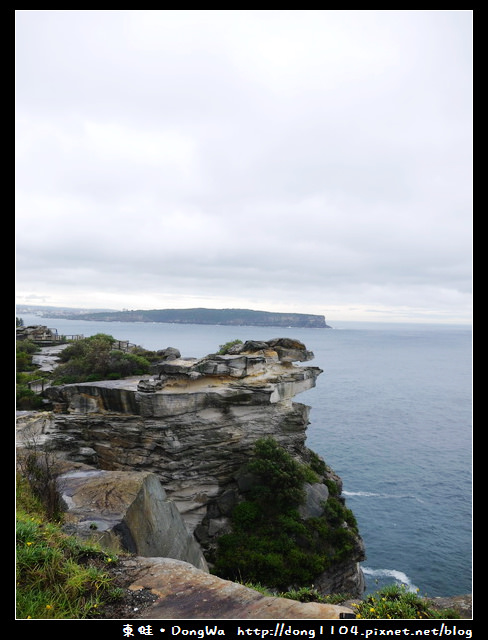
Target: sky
{"x":309,"y":161}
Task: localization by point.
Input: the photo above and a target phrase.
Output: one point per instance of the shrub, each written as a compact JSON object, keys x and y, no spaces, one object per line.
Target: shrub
{"x":245,"y":515}
{"x":317,"y":464}
{"x":396,"y":602}
{"x":282,"y":477}
{"x":93,"y":359}
{"x":224,"y":348}
{"x":336,"y":513}
{"x":26,"y":399}
{"x":127,"y":364}
{"x":332,"y":487}
{"x":270,"y":543}
{"x":25,"y":349}
{"x":40,"y":469}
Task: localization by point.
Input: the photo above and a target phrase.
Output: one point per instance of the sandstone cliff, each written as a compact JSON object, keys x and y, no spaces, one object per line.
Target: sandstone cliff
{"x":193,"y":425}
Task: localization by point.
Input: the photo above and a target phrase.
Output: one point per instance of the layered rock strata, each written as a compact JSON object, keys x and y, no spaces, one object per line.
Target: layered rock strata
{"x":194,"y":424}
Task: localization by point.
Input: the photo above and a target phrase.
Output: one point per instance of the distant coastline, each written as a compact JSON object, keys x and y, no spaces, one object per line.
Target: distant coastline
{"x":230,"y":317}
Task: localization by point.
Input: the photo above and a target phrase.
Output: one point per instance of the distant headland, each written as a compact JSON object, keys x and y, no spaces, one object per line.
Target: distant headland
{"x":233,"y":317}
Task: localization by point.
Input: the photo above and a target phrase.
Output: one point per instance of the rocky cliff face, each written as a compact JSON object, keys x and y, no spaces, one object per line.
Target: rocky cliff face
{"x":194,"y":424}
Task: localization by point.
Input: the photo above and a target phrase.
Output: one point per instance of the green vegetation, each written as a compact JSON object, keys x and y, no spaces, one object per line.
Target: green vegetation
{"x":274,"y":551}
{"x":270,"y":543}
{"x":26,"y":372}
{"x":309,"y":594}
{"x":396,"y":602}
{"x":85,"y":360}
{"x":95,"y":358}
{"x":25,"y":349}
{"x":224,"y":348}
{"x":390,"y":603}
{"x":57,"y":576}
{"x":39,"y":468}
{"x":26,"y":398}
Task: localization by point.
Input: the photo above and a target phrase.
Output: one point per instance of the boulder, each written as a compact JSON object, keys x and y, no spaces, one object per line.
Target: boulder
{"x":170,"y":353}
{"x":290,"y":350}
{"x":315,"y":496}
{"x":128,"y":510}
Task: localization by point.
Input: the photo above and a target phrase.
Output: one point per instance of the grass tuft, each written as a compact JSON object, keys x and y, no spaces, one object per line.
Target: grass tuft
{"x":57,"y":575}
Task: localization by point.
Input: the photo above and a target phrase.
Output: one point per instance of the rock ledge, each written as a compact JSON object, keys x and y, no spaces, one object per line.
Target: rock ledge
{"x":185,"y":592}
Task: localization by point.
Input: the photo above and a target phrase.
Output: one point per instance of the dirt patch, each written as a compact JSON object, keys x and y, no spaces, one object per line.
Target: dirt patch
{"x":132,"y":602}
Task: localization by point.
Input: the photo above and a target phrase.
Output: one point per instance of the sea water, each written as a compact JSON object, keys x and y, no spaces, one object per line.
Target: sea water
{"x":392,"y":415}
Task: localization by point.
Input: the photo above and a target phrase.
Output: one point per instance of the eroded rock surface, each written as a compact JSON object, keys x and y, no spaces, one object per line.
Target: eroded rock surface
{"x":187,"y":593}
{"x":126,"y":510}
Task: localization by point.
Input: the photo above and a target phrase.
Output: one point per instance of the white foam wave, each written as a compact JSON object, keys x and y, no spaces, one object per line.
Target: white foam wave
{"x":360,"y":493}
{"x":393,"y":574}
{"x":369,"y":494}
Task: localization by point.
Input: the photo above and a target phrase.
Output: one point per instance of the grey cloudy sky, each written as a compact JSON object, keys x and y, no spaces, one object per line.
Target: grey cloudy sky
{"x":307,"y":161}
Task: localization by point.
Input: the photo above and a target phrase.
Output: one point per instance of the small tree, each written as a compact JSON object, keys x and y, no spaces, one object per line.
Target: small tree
{"x":40,"y":467}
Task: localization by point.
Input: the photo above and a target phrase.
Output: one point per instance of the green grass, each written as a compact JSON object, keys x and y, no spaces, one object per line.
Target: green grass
{"x":391,"y":602}
{"x":57,"y":575}
{"x":396,"y":602}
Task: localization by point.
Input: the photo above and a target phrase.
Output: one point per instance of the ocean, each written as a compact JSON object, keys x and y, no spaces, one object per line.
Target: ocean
{"x":392,"y":415}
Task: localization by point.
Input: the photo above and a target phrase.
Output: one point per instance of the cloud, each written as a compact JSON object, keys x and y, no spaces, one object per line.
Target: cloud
{"x":301,"y":160}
